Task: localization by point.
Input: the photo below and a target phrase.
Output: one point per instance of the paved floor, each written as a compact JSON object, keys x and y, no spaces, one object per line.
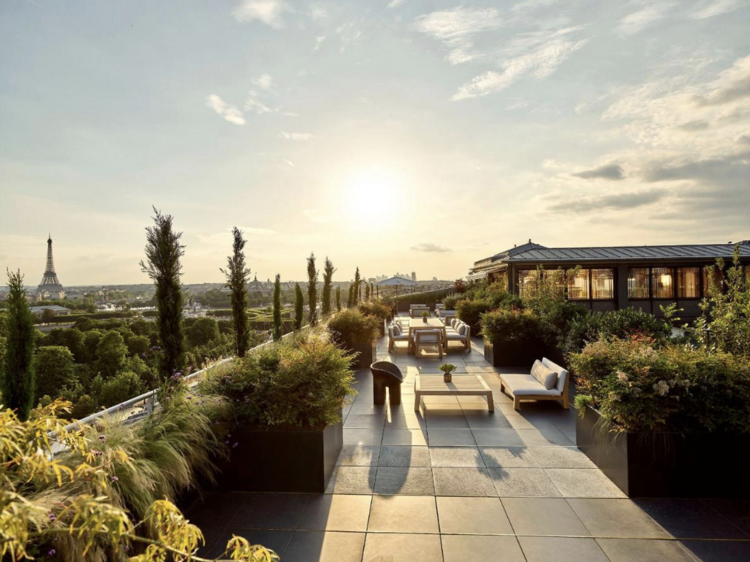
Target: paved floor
{"x":453,"y":483}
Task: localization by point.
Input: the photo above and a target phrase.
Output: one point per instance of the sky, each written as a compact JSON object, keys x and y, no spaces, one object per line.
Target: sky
{"x":393,"y":135}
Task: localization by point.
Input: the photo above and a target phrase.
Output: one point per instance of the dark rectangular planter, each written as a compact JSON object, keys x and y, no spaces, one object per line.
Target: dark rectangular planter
{"x":281,"y":461}
{"x":366,"y":355}
{"x":653,"y":464}
{"x":513,"y":354}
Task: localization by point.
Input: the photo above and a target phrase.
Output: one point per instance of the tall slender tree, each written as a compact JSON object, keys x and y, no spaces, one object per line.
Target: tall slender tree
{"x":350,"y":300}
{"x":18,"y":368}
{"x":163,"y":253}
{"x":367,"y":291}
{"x":338,"y":298}
{"x":328,"y":272}
{"x":312,"y":289}
{"x":357,"y":282}
{"x":277,"y":328}
{"x":237,"y":274}
{"x":372,"y":291}
{"x":299,"y":306}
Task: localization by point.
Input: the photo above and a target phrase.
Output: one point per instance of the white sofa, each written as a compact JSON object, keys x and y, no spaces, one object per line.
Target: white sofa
{"x":532,"y":386}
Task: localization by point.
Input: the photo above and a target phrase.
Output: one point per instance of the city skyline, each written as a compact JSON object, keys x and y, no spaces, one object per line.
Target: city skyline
{"x":398,"y":135}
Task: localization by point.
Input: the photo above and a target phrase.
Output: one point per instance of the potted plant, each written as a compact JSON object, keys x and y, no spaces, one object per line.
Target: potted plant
{"x":355,"y":332}
{"x":447,"y":369}
{"x":512,"y":337}
{"x":284,"y":430}
{"x":425,"y":315}
{"x":664,"y":420}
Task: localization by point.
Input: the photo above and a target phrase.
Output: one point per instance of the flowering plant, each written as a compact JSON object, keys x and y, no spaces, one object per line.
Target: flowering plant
{"x":642,"y":387}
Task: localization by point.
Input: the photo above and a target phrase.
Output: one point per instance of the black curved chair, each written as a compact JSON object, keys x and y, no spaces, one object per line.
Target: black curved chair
{"x":386,"y":374}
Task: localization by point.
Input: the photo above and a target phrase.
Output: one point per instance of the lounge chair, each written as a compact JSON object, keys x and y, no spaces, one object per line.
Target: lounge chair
{"x":461,"y":334}
{"x":396,"y":333}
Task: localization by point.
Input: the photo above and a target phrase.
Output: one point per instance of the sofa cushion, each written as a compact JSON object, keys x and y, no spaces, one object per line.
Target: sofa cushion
{"x":526,"y":385}
{"x":462,"y":329}
{"x":562,"y":374}
{"x":546,"y":376}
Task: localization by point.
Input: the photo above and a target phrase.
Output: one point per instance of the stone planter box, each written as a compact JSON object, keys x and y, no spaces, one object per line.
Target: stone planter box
{"x":281,"y":461}
{"x":513,"y":354}
{"x":649,"y":464}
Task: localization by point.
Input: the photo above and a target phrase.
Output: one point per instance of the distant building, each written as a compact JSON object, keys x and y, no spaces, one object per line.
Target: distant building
{"x":413,"y":276}
{"x":56,"y":309}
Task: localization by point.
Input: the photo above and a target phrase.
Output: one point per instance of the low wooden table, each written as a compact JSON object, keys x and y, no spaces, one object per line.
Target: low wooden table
{"x":462,"y":385}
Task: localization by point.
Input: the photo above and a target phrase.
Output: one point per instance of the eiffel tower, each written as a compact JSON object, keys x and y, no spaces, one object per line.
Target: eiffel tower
{"x":50,"y":283}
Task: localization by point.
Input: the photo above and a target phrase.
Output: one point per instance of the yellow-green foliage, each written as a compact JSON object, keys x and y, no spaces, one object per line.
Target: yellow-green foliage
{"x":81,"y":504}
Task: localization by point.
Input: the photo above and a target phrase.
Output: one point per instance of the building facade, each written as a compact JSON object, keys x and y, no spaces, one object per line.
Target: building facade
{"x":610,"y":278}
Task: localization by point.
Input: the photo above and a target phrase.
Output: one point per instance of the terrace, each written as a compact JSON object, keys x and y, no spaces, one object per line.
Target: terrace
{"x":455,"y":483}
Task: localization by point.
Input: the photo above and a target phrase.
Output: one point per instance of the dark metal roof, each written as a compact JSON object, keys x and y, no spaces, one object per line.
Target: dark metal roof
{"x":630,"y":253}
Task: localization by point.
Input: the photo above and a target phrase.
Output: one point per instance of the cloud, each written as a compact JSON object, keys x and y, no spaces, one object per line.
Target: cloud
{"x":640,"y":20}
{"x":429,"y":247}
{"x":717,"y":8}
{"x":744,"y":139}
{"x":269,"y":12}
{"x":318,"y":12}
{"x":457,"y":28}
{"x":541,"y":54}
{"x":317,"y":216}
{"x":249,"y":230}
{"x":227,"y":111}
{"x":296,"y":136}
{"x":607,"y":172}
{"x":696,"y":125}
{"x":395,"y":3}
{"x":319,"y":42}
{"x":531,"y":5}
{"x":349,"y":34}
{"x":255,"y":103}
{"x":617,"y":201}
{"x":731,"y":85}
{"x":264,"y":81}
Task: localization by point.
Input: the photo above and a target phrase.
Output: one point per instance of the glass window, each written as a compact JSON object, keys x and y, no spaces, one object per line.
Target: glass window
{"x":688,"y":282}
{"x":578,"y":285}
{"x":527,"y":279}
{"x":712,"y":276}
{"x":638,"y":283}
{"x":662,"y":282}
{"x":603,"y":284}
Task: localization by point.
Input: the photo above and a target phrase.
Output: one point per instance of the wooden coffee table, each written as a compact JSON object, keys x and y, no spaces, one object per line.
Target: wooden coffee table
{"x":462,"y":385}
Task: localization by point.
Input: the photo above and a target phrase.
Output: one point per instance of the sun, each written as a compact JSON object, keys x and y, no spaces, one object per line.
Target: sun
{"x":372,"y":195}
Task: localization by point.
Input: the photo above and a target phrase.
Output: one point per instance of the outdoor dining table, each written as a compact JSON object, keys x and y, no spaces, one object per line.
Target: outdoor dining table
{"x":416,"y":324}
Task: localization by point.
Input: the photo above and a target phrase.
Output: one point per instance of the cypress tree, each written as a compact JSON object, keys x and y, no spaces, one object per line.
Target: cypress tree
{"x":367,"y":292}
{"x":277,"y":328}
{"x":338,"y":298}
{"x":357,"y":282}
{"x":299,"y":306}
{"x":312,"y":289}
{"x":328,"y":272}
{"x":350,"y":300}
{"x":163,"y":253}
{"x":18,"y":368}
{"x":237,"y":275}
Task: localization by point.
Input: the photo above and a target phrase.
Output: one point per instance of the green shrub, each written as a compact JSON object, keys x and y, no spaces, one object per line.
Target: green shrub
{"x":620,"y":323}
{"x":55,"y":370}
{"x":428,"y":297}
{"x":122,"y":387}
{"x":84,"y":407}
{"x":350,"y":328}
{"x":470,"y":311}
{"x":643,"y":387}
{"x":298,"y":383}
{"x":375,"y":309}
{"x":450,"y":301}
{"x":111,"y":353}
{"x":138,"y":345}
{"x":202,"y":331}
{"x":511,"y":326}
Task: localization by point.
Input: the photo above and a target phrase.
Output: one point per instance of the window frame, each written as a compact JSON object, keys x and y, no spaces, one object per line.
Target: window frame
{"x":614,"y":285}
{"x":648,"y":277}
{"x":700,"y":283}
